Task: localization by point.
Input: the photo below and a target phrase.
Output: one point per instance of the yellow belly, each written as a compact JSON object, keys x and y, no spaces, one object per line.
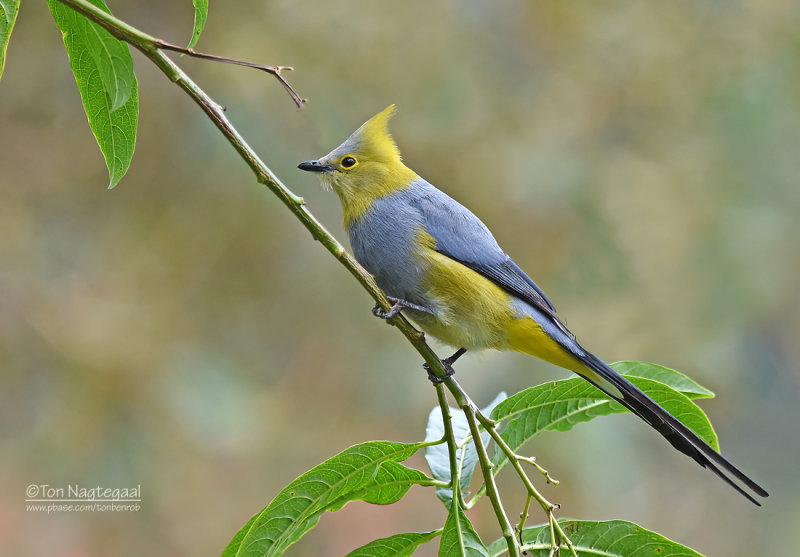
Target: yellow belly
{"x":471,"y":311}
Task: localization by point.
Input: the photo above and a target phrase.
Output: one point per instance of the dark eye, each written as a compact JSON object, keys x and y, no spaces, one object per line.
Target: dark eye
{"x":348,"y":162}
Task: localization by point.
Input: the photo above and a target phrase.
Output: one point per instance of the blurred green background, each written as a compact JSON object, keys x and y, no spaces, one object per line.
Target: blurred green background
{"x":183,"y":331}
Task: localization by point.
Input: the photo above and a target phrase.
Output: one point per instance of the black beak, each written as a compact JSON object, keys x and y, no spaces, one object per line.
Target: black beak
{"x":313,"y":166}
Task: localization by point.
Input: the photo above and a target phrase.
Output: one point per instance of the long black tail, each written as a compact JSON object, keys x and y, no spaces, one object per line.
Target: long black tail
{"x":679,"y":436}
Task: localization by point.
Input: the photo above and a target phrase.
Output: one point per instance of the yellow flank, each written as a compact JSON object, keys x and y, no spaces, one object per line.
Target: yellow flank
{"x":475,"y":313}
{"x":472,"y":310}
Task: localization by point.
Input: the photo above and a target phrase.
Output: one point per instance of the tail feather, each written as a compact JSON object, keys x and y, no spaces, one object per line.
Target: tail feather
{"x":679,"y":436}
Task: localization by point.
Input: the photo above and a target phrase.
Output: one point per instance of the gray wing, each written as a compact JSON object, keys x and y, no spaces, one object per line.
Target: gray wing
{"x":460,"y":235}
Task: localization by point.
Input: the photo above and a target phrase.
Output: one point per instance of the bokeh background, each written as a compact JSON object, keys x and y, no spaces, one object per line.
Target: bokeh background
{"x":183,"y":332}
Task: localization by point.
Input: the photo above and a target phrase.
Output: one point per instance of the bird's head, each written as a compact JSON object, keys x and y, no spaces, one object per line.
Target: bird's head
{"x":366,"y":166}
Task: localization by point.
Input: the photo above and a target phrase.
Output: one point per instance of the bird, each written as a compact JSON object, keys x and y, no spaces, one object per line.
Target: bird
{"x":441,"y":266}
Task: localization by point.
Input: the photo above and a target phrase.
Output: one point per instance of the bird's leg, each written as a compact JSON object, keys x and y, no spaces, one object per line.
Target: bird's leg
{"x":452,"y":359}
{"x":399,"y":305}
{"x":448,"y":367}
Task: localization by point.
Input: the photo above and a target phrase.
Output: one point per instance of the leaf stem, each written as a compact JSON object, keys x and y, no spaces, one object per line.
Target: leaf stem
{"x":450,"y":438}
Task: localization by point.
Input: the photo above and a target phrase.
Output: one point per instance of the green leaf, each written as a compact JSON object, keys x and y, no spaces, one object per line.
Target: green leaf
{"x":103,"y":70}
{"x":200,"y":16}
{"x":399,"y":545}
{"x":467,"y":456}
{"x":613,"y":538}
{"x":388,"y":485}
{"x":675,"y":379}
{"x":458,"y":536}
{"x":8,"y":16}
{"x":369,"y":471}
{"x":236,"y":541}
{"x":561,"y":406}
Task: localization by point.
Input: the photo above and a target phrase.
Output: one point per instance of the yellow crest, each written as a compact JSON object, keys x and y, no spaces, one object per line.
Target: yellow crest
{"x":373,"y":140}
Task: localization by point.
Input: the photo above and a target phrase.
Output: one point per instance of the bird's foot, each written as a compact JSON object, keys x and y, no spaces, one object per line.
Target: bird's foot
{"x":399,"y":305}
{"x":448,"y":367}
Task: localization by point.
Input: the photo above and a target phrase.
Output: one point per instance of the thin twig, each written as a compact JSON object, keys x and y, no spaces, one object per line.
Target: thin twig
{"x":562,"y":536}
{"x":488,"y":479}
{"x":523,"y":516}
{"x":490,"y":427}
{"x":273,"y":70}
{"x":148,"y":44}
{"x":553,"y":546}
{"x":450,"y":439}
{"x":532,"y":461}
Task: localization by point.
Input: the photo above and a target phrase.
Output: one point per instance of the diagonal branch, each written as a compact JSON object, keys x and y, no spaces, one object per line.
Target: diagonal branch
{"x":153,"y":49}
{"x":148,"y":45}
